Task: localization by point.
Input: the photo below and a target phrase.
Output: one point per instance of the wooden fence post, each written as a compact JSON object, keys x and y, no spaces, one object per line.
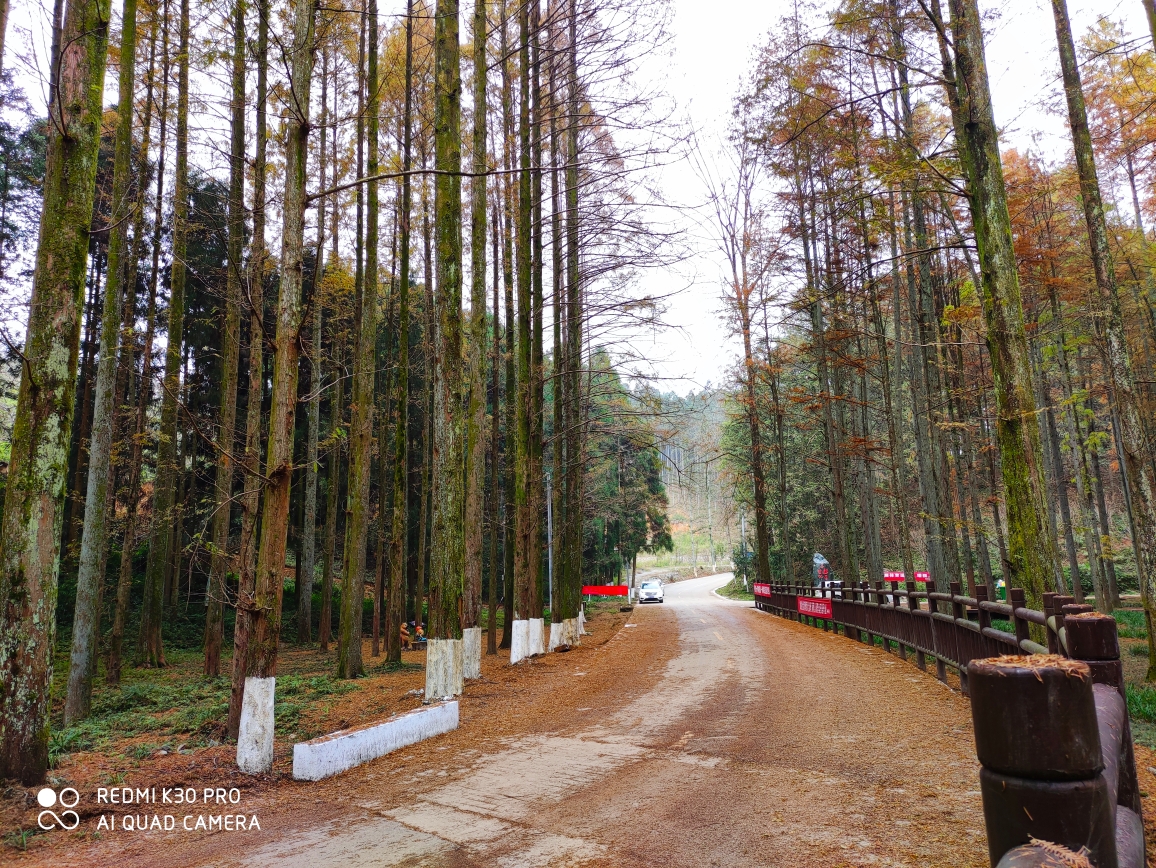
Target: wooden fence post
{"x":958,"y":612}
{"x":913,"y":605}
{"x":933,"y":610}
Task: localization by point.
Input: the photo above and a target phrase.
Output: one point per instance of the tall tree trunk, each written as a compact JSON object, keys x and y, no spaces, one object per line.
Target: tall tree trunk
{"x":150,"y":650}
{"x":94,"y":540}
{"x":1114,"y":346}
{"x":349,"y":663}
{"x":250,"y":499}
{"x":308,"y":564}
{"x":266,"y":614}
{"x":137,"y":402}
{"x":38,"y":466}
{"x":332,"y":507}
{"x":511,"y":526}
{"x":574,"y":313}
{"x":495,"y":457}
{"x":536,"y":479}
{"x":476,"y":413}
{"x":230,"y":358}
{"x":1031,"y":550}
{"x":399,"y":532}
{"x":447,"y":539}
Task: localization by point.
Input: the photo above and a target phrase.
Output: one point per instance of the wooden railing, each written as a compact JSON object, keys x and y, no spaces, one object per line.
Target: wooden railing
{"x":950,"y":628}
{"x":1052,"y":732}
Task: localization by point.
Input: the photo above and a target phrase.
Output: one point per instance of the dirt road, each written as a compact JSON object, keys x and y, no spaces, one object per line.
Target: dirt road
{"x":703,"y":733}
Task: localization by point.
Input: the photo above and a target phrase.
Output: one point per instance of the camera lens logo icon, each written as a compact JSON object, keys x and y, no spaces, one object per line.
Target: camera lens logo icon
{"x":48,"y":799}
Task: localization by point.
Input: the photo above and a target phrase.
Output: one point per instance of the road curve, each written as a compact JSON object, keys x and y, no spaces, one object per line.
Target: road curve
{"x":760,"y":742}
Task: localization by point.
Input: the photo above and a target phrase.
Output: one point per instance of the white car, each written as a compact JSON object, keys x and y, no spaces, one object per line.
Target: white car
{"x":650,"y":592}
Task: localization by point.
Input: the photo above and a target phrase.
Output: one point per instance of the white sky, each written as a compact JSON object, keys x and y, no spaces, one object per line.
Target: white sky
{"x":713,"y":51}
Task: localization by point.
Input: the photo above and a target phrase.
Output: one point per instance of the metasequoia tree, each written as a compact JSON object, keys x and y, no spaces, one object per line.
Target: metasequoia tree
{"x":255,"y":283}
{"x":1031,"y":547}
{"x":94,"y":539}
{"x":230,"y":353}
{"x":1133,"y":437}
{"x":447,"y":534}
{"x":361,"y":411}
{"x":38,"y":466}
{"x":158,"y":571}
{"x":265,"y":625}
{"x":475,"y":456}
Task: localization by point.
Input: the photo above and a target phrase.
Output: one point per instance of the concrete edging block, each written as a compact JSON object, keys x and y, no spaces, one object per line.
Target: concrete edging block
{"x":255,"y":734}
{"x":340,"y":751}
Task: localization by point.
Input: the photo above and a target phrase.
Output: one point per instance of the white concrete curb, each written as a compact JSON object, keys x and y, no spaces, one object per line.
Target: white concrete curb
{"x":255,"y":735}
{"x":339,"y":751}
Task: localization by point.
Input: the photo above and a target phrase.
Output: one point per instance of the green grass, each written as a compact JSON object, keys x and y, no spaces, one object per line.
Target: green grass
{"x":734,"y":590}
{"x":1130,"y":624}
{"x":1142,"y":702}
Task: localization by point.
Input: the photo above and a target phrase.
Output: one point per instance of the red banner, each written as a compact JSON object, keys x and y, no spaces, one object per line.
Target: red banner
{"x":762,"y":590}
{"x":817,"y":607}
{"x":605,"y":590}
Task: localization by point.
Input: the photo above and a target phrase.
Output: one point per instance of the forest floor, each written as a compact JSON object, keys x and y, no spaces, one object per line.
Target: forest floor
{"x":166,"y":727}
{"x":701,"y":732}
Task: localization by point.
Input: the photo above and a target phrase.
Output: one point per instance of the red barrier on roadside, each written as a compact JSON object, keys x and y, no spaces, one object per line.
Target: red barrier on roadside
{"x":816,"y":607}
{"x":605,"y":590}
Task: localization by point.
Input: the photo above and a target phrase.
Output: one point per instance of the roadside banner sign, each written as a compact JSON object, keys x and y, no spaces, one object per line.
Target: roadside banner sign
{"x":922,"y":575}
{"x":894,"y":575}
{"x":762,"y":590}
{"x":605,"y":590}
{"x":816,"y":607}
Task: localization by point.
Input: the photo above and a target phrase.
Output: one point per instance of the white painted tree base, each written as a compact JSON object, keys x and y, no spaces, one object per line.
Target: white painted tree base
{"x":334,"y":753}
{"x":520,"y":641}
{"x":472,"y":652}
{"x":255,"y":735}
{"x":582,"y":623}
{"x":537,"y":643}
{"x":443,"y":668}
{"x":564,"y":633}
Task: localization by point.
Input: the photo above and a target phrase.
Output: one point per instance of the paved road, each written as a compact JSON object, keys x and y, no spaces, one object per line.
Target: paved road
{"x":761,"y":742}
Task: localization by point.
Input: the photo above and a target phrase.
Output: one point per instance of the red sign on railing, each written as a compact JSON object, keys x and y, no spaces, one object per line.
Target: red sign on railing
{"x":816,"y":607}
{"x":605,"y":590}
{"x":894,"y":575}
{"x":922,"y":575}
{"x":762,"y":590}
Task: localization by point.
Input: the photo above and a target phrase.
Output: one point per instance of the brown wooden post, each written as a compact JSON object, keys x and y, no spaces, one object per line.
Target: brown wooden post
{"x":1094,"y":640}
{"x":933,"y":608}
{"x":1042,"y":774}
{"x":1015,"y":597}
{"x":1049,"y":613}
{"x":959,"y":612}
{"x":913,"y":606}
